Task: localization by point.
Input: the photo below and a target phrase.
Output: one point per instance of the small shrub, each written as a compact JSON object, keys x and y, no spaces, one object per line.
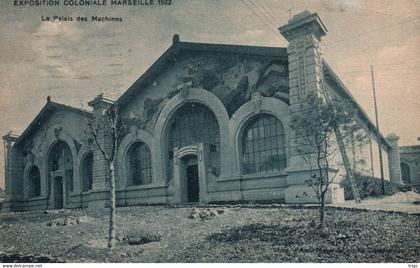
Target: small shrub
{"x":367,"y":186}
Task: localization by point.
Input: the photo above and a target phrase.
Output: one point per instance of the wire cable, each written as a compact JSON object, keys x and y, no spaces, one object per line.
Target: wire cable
{"x":268,"y":12}
{"x":267,"y":19}
{"x":276,"y":33}
{"x":372,"y":31}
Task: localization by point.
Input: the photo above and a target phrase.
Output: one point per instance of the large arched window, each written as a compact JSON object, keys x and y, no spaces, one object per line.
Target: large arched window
{"x":405,"y":173}
{"x":192,"y":124}
{"x":34,"y":182}
{"x":87,"y":172}
{"x":263,"y":145}
{"x":139,"y":164}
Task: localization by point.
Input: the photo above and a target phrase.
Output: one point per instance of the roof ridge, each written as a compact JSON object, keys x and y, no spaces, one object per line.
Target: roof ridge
{"x":226,"y":44}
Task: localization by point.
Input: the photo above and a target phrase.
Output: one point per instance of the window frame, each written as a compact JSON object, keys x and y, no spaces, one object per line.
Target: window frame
{"x":263,"y":136}
{"x":34,"y":192}
{"x":146,"y":172}
{"x":83,"y":170}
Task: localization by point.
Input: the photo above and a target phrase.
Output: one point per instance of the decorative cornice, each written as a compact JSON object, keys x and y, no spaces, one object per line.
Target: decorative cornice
{"x":303,"y":23}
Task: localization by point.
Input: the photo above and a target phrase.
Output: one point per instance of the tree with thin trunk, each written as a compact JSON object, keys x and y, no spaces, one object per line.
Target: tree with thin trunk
{"x":315,"y":127}
{"x":105,"y":130}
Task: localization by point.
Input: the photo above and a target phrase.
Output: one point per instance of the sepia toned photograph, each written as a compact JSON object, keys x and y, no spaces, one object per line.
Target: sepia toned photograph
{"x":210,"y":131}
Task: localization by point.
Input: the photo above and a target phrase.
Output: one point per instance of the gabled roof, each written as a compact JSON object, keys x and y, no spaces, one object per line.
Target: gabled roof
{"x":48,"y":108}
{"x":178,"y":46}
{"x":343,"y":91}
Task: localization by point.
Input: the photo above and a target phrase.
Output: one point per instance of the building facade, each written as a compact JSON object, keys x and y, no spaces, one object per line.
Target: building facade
{"x":410,"y":166}
{"x":205,"y":123}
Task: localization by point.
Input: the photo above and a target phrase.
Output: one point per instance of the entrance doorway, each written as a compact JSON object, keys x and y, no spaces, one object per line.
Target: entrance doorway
{"x":58,"y":193}
{"x":190,"y":174}
{"x":193,"y":187}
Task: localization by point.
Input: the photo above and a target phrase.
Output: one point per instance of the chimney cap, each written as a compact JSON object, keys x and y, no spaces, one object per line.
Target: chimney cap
{"x":392,"y":136}
{"x":303,"y":23}
{"x":175,"y":39}
{"x":10,"y":136}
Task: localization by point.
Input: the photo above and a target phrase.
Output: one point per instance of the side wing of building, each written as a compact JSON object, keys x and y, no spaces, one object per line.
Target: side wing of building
{"x":45,"y":160}
{"x":362,"y":140}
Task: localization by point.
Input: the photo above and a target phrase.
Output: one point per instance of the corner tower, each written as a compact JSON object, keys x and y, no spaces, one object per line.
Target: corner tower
{"x":304,"y":32}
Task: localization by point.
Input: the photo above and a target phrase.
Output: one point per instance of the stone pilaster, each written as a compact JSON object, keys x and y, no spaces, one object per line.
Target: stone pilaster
{"x":13,"y":171}
{"x":304,"y":32}
{"x":203,"y":158}
{"x":100,"y":180}
{"x":394,"y":162}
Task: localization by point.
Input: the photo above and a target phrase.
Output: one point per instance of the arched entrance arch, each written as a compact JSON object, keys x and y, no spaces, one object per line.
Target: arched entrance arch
{"x":59,"y":174}
{"x":55,"y":135}
{"x":191,"y":95}
{"x":192,"y":147}
{"x":191,"y":124}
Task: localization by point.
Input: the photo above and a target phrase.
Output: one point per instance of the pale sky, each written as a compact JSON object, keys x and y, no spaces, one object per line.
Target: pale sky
{"x":74,"y":61}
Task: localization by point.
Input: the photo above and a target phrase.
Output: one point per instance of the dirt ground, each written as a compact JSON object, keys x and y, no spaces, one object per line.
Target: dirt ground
{"x":398,"y":202}
{"x":216,"y":234}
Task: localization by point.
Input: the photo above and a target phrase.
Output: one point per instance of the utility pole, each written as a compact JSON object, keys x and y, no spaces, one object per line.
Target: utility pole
{"x":290,"y":9}
{"x":377,"y":131}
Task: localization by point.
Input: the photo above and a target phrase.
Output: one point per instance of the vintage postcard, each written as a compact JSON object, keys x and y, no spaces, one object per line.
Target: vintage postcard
{"x":210,"y":131}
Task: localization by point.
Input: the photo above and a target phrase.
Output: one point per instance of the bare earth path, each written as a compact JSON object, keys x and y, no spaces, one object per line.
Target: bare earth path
{"x":232,"y":234}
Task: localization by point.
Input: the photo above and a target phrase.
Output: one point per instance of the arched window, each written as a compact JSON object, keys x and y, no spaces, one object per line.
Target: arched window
{"x":60,"y":157}
{"x":140,"y":164}
{"x":405,"y":173}
{"x":192,"y":124}
{"x":60,"y":160}
{"x":263,"y":145}
{"x":34,"y":182}
{"x":87,"y":172}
